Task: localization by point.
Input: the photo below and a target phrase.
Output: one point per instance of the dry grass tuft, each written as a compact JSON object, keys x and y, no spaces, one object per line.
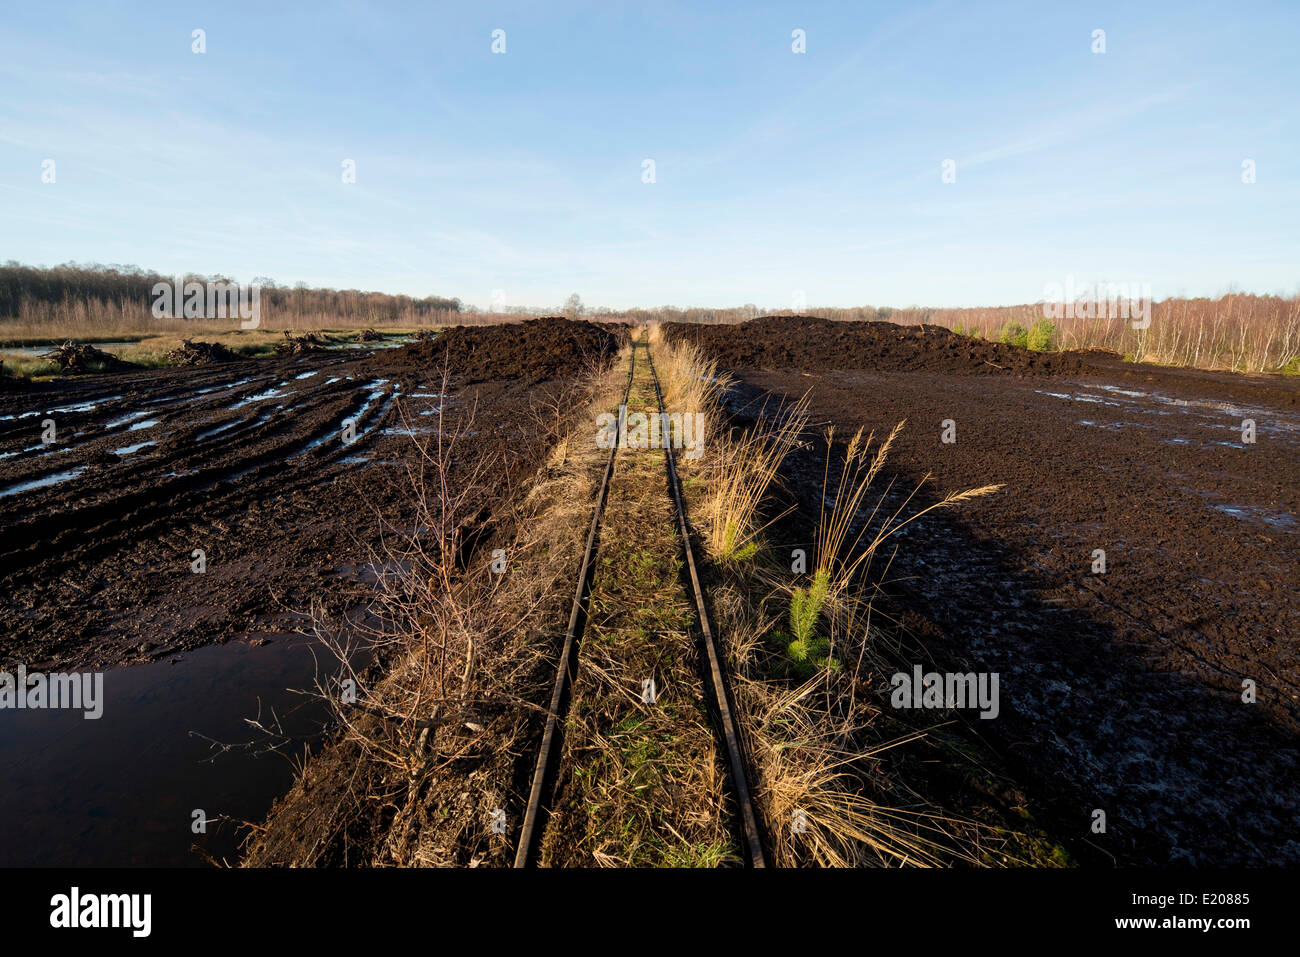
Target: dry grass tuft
{"x":814,"y":731}
{"x":738,"y":469}
{"x":432,"y":734}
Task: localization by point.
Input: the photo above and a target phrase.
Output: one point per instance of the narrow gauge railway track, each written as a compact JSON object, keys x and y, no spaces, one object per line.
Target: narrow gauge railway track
{"x":549,"y":751}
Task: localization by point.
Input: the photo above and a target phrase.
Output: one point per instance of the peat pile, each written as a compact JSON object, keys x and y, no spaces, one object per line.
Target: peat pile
{"x":190,"y":353}
{"x":536,"y":349}
{"x":77,"y":357}
{"x":303,"y":344}
{"x":806,"y":342}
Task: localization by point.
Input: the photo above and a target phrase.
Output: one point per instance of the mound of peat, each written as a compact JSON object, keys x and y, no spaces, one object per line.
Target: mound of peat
{"x":806,"y":342}
{"x":79,"y":357}
{"x":536,"y":349}
{"x":190,"y":353}
{"x":303,"y":344}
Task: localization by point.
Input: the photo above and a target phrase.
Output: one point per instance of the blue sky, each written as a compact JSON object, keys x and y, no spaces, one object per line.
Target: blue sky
{"x":775,"y":172}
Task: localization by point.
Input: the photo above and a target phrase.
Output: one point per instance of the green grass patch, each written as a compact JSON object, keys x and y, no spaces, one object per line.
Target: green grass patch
{"x":28,"y":367}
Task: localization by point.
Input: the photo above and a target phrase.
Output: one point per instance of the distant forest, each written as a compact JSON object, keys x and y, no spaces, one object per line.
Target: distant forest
{"x":32,"y":292}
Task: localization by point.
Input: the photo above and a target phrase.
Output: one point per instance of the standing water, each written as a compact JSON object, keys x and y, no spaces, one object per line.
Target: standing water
{"x":122,"y":790}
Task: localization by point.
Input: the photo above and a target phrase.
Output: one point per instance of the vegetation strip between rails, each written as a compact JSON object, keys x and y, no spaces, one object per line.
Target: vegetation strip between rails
{"x":727,"y":725}
{"x":564,"y":672}
{"x":663,"y":748}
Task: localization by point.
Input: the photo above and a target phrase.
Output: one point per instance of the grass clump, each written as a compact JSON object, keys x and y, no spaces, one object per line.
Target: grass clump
{"x":806,"y":657}
{"x":739,"y":469}
{"x":744,"y":468}
{"x":28,"y":367}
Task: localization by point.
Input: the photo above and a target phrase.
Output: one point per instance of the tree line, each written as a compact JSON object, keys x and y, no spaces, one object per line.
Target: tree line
{"x":127,"y":287}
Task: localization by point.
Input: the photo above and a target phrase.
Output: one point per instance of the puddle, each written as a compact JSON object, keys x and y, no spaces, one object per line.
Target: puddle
{"x":78,"y":407}
{"x":1247,"y":513}
{"x":45,"y":482}
{"x":260,"y":397}
{"x":42,"y":350}
{"x":308,"y":375}
{"x":128,"y":449}
{"x":147,"y":424}
{"x":1115,"y":425}
{"x":386,"y":344}
{"x":356,"y":416}
{"x":125,"y":419}
{"x":219,"y":429}
{"x":1205,"y":413}
{"x":370,"y":399}
{"x":1129,"y":392}
{"x":121,"y":790}
{"x":225,"y":385}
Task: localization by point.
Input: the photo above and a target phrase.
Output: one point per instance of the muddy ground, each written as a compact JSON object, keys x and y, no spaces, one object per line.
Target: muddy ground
{"x":248,"y":462}
{"x":1120,"y":691}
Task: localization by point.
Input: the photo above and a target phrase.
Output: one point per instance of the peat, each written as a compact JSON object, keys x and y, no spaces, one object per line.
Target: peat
{"x":536,"y":350}
{"x":243,"y":459}
{"x":806,"y":342}
{"x":190,"y":353}
{"x":1120,"y":690}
